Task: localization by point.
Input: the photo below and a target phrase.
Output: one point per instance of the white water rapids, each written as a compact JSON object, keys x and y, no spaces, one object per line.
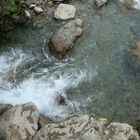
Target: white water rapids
{"x":41,"y":86}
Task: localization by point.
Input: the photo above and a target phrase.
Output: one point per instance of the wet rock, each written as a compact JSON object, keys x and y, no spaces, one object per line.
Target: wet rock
{"x":86,"y":128}
{"x":4,"y":108}
{"x":19,"y":122}
{"x":127,"y":3}
{"x":60,"y":100}
{"x":65,"y":11}
{"x":38,"y":10}
{"x":121,"y":131}
{"x":42,"y":121}
{"x":39,"y":21}
{"x":32,"y":6}
{"x":100,"y":3}
{"x":27,"y":14}
{"x":63,"y":40}
{"x":133,"y":58}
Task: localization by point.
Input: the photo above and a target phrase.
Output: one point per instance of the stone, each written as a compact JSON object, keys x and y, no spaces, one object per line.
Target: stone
{"x":39,"y":21}
{"x":133,"y":58}
{"x":38,"y":10}
{"x":136,"y":50}
{"x":127,"y":3}
{"x":63,"y":40}
{"x":60,"y":100}
{"x":27,"y":14}
{"x":32,"y":6}
{"x":65,"y":11}
{"x":100,"y":3}
{"x":4,"y":108}
{"x":121,"y":131}
{"x":19,"y":122}
{"x":86,"y":128}
{"x":42,"y":121}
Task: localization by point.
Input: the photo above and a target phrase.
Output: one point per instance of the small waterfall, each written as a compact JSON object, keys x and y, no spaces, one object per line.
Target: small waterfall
{"x":38,"y":83}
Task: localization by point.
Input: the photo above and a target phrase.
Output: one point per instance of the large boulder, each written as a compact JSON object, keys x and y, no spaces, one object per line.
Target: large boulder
{"x":19,"y":122}
{"x":86,"y":128}
{"x":63,"y":40}
{"x":65,"y":11}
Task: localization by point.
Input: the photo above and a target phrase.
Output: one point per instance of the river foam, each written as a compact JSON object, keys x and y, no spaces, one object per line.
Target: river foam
{"x":40,"y":86}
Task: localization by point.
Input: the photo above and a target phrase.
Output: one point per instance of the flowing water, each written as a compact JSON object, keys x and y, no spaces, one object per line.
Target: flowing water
{"x":94,"y":77}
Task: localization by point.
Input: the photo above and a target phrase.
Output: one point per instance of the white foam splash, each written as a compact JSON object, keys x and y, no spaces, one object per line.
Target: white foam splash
{"x":42,"y":90}
{"x":136,"y":4}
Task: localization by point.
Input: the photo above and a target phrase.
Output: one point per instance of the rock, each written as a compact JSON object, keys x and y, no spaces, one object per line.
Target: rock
{"x":60,"y":100}
{"x":133,"y":58}
{"x":121,"y":131}
{"x":85,"y":128}
{"x":4,"y":108}
{"x":39,"y":21}
{"x":65,"y":11}
{"x":42,"y":121}
{"x":27,"y":14}
{"x":127,"y":3}
{"x":38,"y":10}
{"x":136,"y":50}
{"x":19,"y":122}
{"x":100,"y":3}
{"x":32,"y":6}
{"x":63,"y":40}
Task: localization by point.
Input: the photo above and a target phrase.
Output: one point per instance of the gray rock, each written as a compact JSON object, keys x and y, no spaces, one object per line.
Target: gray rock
{"x":19,"y":122}
{"x":65,"y":11}
{"x":27,"y":14}
{"x":63,"y":40}
{"x":86,"y":128}
{"x":38,"y":10}
{"x":32,"y":6}
{"x":100,"y":3}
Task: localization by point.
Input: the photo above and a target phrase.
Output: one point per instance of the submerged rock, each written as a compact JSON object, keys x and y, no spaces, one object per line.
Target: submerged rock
{"x":65,"y":11}
{"x":86,"y":128}
{"x":63,"y":40}
{"x":19,"y":122}
{"x":133,"y":58}
{"x":100,"y":3}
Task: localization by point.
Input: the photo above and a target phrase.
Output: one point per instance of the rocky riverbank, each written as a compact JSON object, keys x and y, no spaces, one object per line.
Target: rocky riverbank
{"x":24,"y":122}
